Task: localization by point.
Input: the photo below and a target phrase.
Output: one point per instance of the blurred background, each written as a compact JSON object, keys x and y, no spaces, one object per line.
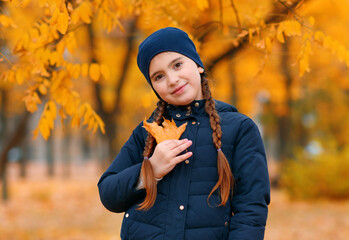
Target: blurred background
{"x":71,"y":94}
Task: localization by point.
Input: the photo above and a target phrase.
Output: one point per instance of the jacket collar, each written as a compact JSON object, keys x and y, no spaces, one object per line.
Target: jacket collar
{"x":197,"y":107}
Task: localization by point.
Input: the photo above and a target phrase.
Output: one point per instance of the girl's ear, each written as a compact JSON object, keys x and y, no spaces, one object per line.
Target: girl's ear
{"x":201,"y":70}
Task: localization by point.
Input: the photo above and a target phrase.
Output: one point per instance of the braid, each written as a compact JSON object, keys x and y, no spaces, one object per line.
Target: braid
{"x":147,"y":175}
{"x":225,"y":177}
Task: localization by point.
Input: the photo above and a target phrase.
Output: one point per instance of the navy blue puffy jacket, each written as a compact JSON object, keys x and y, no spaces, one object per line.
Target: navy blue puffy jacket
{"x":181,"y":210}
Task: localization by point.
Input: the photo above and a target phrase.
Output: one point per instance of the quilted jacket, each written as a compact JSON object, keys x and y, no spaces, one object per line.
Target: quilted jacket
{"x":182,"y":210}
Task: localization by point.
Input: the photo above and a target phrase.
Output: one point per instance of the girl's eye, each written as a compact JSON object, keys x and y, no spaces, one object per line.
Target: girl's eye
{"x":177,"y":65}
{"x":158,"y":77}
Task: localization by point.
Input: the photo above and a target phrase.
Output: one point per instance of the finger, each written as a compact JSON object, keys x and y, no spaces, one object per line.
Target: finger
{"x":181,"y":158}
{"x":180,"y":148}
{"x":171,"y":144}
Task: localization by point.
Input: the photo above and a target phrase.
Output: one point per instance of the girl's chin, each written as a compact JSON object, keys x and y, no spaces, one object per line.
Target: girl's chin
{"x":181,"y":102}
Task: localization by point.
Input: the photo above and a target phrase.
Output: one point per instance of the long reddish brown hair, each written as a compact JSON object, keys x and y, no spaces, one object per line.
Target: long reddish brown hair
{"x":225,"y":177}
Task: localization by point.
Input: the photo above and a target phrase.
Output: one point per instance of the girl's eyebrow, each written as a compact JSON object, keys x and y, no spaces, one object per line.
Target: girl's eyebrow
{"x":169,"y":65}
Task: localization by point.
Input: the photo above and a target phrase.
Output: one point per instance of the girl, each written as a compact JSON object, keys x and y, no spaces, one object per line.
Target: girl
{"x":212,"y":183}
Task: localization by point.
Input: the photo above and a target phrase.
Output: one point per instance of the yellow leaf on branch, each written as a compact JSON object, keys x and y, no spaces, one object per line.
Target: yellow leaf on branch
{"x":91,"y":119}
{"x":54,"y":17}
{"x":202,"y":4}
{"x":280,"y":36}
{"x":311,"y":20}
{"x":6,"y":21}
{"x":84,"y":69}
{"x":71,"y":42}
{"x":42,"y":89}
{"x":319,"y":36}
{"x":105,"y":71}
{"x":46,"y":122}
{"x":85,"y":12}
{"x":62,"y":23}
{"x":31,"y":101}
{"x":95,"y":72}
{"x":20,"y":76}
{"x":268,"y":44}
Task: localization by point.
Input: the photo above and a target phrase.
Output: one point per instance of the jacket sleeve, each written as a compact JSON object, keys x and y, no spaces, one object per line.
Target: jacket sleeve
{"x":117,"y":186}
{"x":252,"y":188}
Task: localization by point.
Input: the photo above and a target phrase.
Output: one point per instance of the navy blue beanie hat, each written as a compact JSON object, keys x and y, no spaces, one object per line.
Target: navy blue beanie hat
{"x":165,"y":40}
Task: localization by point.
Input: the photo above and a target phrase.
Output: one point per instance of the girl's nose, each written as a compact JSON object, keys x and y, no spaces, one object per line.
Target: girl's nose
{"x":172,"y":79}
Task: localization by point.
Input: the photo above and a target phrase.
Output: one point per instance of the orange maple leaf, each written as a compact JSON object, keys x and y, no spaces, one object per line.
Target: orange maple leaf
{"x":167,"y":131}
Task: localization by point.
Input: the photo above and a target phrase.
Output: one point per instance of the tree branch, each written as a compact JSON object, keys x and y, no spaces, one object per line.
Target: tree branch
{"x":126,"y":63}
{"x":243,"y":41}
{"x":236,"y":14}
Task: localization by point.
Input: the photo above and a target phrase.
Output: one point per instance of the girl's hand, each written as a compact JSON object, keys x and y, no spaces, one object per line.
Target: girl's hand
{"x":165,"y":156}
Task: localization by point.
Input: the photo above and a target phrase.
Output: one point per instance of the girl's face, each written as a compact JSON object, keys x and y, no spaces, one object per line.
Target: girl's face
{"x":176,"y":78}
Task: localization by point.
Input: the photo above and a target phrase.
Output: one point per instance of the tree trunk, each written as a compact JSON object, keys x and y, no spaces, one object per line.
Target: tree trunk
{"x":14,"y":139}
{"x":67,"y":152}
{"x":232,"y":75}
{"x":110,"y":118}
{"x":286,"y":140}
{"x":50,"y":156}
{"x":23,"y":161}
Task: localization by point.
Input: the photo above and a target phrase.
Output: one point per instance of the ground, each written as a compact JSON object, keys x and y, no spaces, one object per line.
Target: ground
{"x":61,"y":208}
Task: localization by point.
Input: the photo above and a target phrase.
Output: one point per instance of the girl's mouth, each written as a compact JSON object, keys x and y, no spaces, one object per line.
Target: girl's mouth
{"x":179,"y":90}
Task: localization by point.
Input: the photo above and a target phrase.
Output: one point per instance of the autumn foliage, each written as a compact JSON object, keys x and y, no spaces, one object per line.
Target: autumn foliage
{"x":42,"y":51}
{"x":284,"y":63}
{"x":167,"y":131}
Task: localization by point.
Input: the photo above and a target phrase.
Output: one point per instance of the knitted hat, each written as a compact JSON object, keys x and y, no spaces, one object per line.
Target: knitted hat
{"x":165,"y":40}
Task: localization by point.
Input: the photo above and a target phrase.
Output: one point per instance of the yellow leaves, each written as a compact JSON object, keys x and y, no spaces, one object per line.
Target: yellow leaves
{"x":42,"y":89}
{"x":95,"y":72}
{"x":70,"y":42}
{"x":105,"y":71}
{"x":84,"y":69}
{"x":319,"y":36}
{"x":74,"y":70}
{"x":56,"y":59}
{"x":21,"y":76}
{"x":82,"y":12}
{"x":291,"y":28}
{"x":268,"y":45}
{"x":60,"y":20}
{"x":304,"y":57}
{"x":6,"y":21}
{"x":108,"y":18}
{"x":31,"y":101}
{"x":62,"y":23}
{"x":311,"y":20}
{"x":280,"y":37}
{"x":168,"y":131}
{"x":85,"y":12}
{"x":46,"y":122}
{"x":202,"y":4}
{"x":91,"y":119}
{"x":288,"y":28}
{"x":334,"y":46}
{"x":70,"y":101}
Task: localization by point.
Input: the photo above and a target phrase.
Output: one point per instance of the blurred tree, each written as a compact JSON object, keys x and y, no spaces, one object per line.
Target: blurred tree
{"x":77,"y":59}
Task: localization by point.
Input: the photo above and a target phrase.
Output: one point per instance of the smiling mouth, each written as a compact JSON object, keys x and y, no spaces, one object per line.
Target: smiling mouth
{"x":179,"y":89}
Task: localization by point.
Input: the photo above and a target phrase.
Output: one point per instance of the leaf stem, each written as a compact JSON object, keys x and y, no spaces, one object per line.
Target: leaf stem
{"x":7,"y":60}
